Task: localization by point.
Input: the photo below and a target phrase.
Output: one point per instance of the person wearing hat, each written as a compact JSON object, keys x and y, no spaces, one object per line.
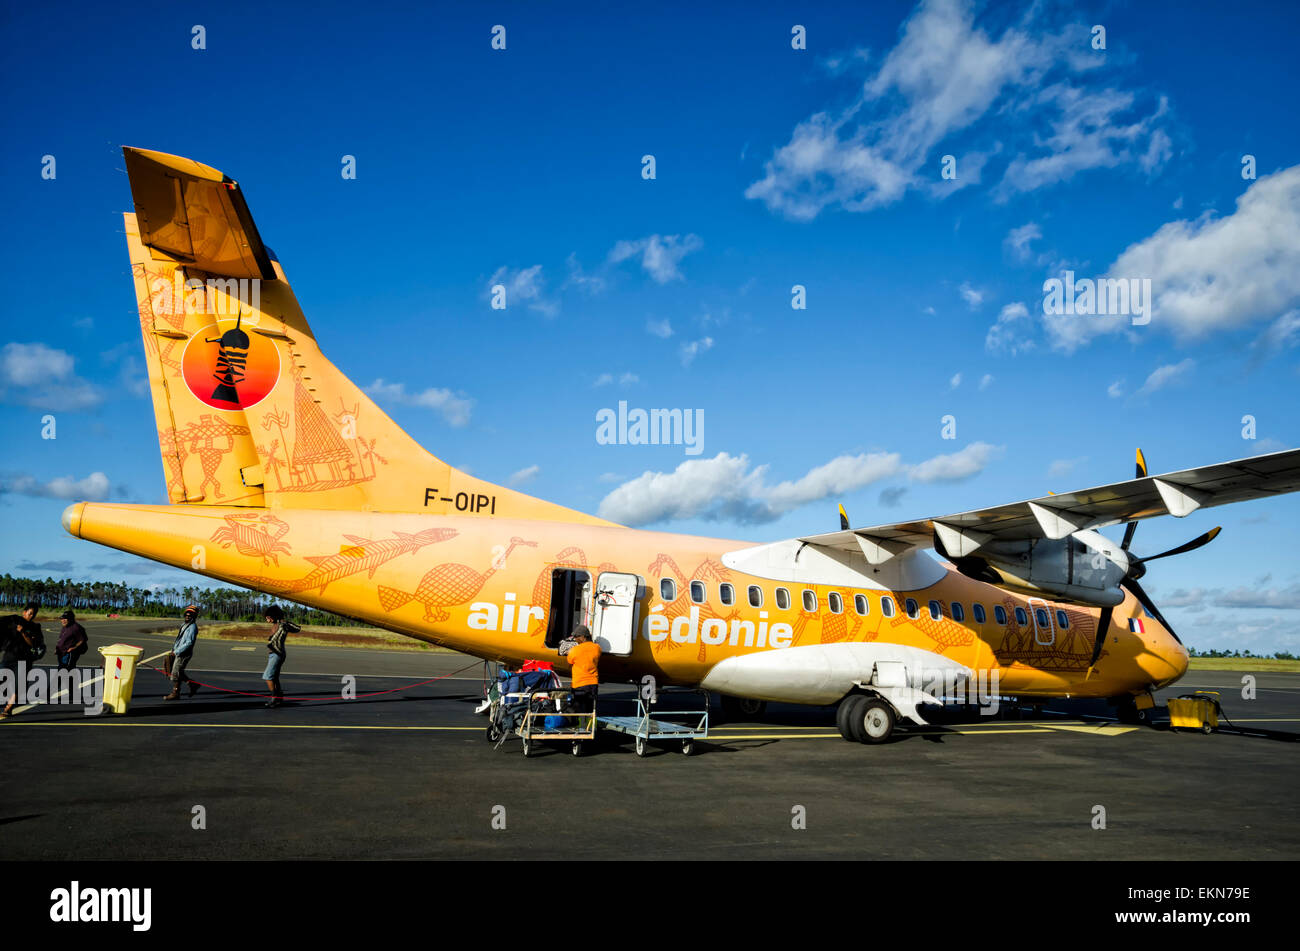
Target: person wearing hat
{"x":72,"y":641}
{"x":182,"y":651}
{"x":583,"y":658}
{"x":276,"y":652}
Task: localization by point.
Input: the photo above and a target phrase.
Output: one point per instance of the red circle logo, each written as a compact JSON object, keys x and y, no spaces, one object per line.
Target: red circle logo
{"x":226,"y":367}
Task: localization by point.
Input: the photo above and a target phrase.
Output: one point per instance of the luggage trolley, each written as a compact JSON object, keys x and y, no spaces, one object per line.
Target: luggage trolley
{"x":694,"y":725}
{"x":534,"y":706}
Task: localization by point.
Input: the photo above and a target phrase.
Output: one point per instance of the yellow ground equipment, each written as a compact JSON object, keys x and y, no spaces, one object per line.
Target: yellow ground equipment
{"x":119,"y":675}
{"x":1195,"y":711}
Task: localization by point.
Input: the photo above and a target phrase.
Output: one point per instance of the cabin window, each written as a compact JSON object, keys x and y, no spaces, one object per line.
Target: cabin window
{"x":1062,"y":621}
{"x":887,"y":606}
{"x":1021,"y":617}
{"x":977,"y":612}
{"x":809,"y":601}
{"x":783,"y":599}
{"x":1000,"y":614}
{"x":668,"y":589}
{"x":697,"y":592}
{"x":861,"y":604}
{"x":936,"y":611}
{"x":836,"y":602}
{"x":726,"y":594}
{"x":1040,"y":615}
{"x":755,"y":596}
{"x":913,"y":609}
{"x":958,"y":612}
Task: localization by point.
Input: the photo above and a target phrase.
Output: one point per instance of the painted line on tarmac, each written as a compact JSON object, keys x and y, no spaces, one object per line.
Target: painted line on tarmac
{"x":236,"y":726}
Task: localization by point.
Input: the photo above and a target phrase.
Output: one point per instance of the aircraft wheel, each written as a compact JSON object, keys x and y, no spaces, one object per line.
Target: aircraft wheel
{"x":874,"y":721}
{"x":842,"y":718}
{"x":687,"y":746}
{"x":640,"y":746}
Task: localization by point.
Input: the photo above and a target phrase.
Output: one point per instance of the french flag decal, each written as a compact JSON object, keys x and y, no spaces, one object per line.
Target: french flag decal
{"x":1135,"y":625}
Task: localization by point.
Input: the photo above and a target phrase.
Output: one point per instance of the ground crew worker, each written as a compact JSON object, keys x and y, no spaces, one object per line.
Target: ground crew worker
{"x":276,"y":652}
{"x":182,"y":652}
{"x":72,"y":641}
{"x":583,"y":658}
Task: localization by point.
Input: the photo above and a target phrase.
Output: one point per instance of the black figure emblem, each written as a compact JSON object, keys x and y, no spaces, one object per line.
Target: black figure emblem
{"x":231,"y":359}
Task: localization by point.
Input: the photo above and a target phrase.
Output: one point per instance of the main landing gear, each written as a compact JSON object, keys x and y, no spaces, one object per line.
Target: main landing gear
{"x":865,"y":719}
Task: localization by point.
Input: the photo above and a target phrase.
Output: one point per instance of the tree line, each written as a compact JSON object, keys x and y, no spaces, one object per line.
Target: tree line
{"x":109,"y":597}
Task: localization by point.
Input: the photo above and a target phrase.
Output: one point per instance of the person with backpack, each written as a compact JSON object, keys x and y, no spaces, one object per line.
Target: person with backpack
{"x":182,"y":652}
{"x":276,"y":652}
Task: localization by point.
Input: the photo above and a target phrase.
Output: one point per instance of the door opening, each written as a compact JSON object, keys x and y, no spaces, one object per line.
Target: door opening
{"x":570,"y":603}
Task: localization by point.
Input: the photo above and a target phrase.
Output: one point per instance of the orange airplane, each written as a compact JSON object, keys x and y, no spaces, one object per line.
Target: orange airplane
{"x":283,"y":477}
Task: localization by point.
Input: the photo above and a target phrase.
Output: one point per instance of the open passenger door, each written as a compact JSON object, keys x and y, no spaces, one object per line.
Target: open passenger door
{"x":616,"y":608}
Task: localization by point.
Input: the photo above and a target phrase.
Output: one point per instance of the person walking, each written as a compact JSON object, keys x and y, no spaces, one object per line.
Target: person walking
{"x":183,"y":652}
{"x":72,"y":641}
{"x":276,"y":652}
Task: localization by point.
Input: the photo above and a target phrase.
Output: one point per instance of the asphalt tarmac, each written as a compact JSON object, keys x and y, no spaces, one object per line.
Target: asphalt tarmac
{"x":406,"y":772}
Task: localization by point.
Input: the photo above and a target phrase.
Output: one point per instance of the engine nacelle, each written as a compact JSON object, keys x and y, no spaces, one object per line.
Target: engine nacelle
{"x":1084,"y":567}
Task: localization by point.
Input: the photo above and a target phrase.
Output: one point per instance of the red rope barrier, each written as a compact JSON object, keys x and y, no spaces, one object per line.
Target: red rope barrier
{"x":360,"y":696}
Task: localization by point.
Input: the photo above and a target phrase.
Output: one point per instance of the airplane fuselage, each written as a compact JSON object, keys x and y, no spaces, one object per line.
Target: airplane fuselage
{"x":484,"y":587}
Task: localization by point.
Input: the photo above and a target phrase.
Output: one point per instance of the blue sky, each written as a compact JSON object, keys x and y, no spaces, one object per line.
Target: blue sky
{"x":818,"y":167}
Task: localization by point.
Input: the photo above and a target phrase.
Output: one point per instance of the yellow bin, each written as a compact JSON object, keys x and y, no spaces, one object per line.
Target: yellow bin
{"x":119,"y":675}
{"x":1197,"y":711}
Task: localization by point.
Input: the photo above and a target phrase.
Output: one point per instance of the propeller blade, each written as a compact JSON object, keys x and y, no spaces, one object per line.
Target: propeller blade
{"x":1194,"y":544}
{"x":844,"y":520}
{"x":1132,"y":526}
{"x":1103,"y":625}
{"x":1147,"y":603}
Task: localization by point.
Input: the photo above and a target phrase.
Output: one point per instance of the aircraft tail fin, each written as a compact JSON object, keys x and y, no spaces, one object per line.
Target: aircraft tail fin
{"x":248,"y":409}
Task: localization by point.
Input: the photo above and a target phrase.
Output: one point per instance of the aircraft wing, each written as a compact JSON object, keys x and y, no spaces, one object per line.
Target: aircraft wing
{"x":1056,"y":516}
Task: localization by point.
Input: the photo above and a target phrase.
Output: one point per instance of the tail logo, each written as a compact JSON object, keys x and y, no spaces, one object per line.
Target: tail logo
{"x":229,"y":369}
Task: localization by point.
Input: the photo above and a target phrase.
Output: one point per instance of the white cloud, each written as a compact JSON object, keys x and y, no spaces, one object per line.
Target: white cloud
{"x":93,"y":488}
{"x":1018,"y":241}
{"x":627,"y":379}
{"x":32,"y":374}
{"x":524,"y":285}
{"x":660,"y":254}
{"x":1115,"y":390}
{"x":946,"y":75}
{"x":693,"y":349}
{"x":590,"y":283}
{"x":524,"y":476}
{"x":725,"y":488}
{"x":955,"y":466}
{"x":659,"y":328}
{"x":1213,"y":274}
{"x":454,"y":409}
{"x":986,"y":381}
{"x":955,"y":381}
{"x":1010,"y":333}
{"x":1167,"y":375}
{"x":1062,"y":467}
{"x":971,"y":296}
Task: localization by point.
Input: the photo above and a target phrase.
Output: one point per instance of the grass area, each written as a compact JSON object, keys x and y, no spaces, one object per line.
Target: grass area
{"x":1244,"y":663}
{"x":320,"y":637}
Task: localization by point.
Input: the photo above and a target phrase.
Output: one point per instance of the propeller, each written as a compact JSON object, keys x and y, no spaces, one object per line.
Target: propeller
{"x":1137,"y":568}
